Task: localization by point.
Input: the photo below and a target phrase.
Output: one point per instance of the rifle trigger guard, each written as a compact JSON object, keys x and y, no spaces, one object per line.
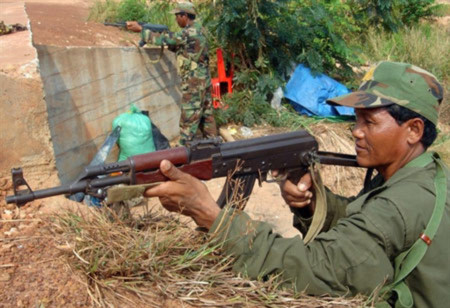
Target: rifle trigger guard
{"x":277,"y":179}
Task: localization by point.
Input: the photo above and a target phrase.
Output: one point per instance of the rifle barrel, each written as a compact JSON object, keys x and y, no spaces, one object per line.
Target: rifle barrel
{"x":339,"y":159}
{"x":81,"y":186}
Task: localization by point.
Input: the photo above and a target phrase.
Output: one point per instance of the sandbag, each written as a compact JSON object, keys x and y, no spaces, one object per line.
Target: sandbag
{"x":136,"y":134}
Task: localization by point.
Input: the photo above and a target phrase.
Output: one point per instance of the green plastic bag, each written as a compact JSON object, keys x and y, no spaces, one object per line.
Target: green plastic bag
{"x":136,"y":133}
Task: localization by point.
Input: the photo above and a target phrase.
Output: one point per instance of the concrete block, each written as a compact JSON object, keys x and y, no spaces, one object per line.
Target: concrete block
{"x":86,"y":88}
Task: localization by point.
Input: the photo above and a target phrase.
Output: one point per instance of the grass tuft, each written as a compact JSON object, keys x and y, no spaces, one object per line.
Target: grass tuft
{"x":426,"y":46}
{"x":143,"y":260}
{"x":104,"y":11}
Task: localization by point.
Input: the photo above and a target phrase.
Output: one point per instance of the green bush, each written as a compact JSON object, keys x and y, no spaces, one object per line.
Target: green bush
{"x":269,"y":36}
{"x":268,"y":39}
{"x":391,"y":14}
{"x":132,"y":10}
{"x":412,"y":11}
{"x":374,"y":13}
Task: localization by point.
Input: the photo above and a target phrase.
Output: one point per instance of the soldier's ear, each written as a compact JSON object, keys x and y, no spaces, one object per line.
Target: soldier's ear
{"x":415,"y":129}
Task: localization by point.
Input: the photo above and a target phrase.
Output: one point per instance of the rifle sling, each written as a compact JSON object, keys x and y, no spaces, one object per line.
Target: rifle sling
{"x":407,"y":261}
{"x":320,"y":211}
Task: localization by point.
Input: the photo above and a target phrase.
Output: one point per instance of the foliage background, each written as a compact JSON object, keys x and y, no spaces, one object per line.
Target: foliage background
{"x":340,"y":38}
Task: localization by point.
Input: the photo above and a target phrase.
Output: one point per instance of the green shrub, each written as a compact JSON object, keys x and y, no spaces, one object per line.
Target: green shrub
{"x":268,"y":39}
{"x":269,"y":36}
{"x":391,"y":14}
{"x":159,"y":12}
{"x":374,"y":13}
{"x":412,"y":11}
{"x":132,"y":10}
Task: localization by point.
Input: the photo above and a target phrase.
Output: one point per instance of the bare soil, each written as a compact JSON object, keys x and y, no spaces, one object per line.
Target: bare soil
{"x":67,"y":25}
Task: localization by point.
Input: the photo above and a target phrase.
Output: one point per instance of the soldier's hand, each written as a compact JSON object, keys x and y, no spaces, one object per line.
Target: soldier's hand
{"x":185,"y":194}
{"x":134,"y":26}
{"x":298,"y":195}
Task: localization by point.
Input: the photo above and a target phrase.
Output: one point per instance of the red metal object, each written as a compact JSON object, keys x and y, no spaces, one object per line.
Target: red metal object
{"x":223,"y":83}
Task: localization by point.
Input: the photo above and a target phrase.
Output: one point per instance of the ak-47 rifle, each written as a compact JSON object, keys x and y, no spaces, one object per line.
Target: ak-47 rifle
{"x":244,"y":160}
{"x":148,"y":26}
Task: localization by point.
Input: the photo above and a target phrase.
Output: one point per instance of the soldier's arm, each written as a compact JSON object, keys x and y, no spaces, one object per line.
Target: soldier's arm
{"x":171,"y":39}
{"x":353,"y":257}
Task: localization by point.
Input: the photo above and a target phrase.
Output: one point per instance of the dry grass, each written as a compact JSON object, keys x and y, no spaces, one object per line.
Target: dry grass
{"x":155,"y":260}
{"x":442,"y":143}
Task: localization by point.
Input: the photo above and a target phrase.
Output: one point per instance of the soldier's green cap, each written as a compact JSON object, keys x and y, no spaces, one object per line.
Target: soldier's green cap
{"x":403,"y":84}
{"x":184,"y":7}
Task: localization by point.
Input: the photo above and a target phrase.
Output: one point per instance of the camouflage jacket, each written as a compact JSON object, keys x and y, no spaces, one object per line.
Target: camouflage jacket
{"x":191,"y":49}
{"x":355,"y":254}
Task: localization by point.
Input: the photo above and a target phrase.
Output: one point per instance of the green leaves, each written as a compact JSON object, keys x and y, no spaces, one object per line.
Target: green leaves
{"x":268,"y":38}
{"x":132,"y":10}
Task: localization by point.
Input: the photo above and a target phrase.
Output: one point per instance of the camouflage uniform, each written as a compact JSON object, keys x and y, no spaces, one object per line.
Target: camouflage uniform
{"x":191,"y":50}
{"x":365,"y":237}
{"x":4,"y":28}
{"x":7,"y":29}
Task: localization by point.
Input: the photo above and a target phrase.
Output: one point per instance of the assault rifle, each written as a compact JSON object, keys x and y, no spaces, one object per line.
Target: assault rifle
{"x":147,"y":26}
{"x":241,"y":161}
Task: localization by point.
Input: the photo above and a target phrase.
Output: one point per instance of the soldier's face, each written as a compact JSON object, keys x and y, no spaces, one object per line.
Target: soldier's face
{"x":380,"y":142}
{"x":182,"y":19}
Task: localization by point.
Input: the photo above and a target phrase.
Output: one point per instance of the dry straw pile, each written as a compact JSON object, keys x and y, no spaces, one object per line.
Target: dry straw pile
{"x":155,"y":260}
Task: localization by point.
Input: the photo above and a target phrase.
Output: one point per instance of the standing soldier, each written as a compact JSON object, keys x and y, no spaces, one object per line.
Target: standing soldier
{"x":191,"y":50}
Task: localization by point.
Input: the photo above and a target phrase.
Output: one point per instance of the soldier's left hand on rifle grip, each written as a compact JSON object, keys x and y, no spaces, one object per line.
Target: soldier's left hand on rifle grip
{"x":134,"y":26}
{"x":185,"y":194}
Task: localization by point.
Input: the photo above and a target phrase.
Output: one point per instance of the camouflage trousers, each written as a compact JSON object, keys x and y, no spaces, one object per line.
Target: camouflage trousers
{"x":196,"y":114}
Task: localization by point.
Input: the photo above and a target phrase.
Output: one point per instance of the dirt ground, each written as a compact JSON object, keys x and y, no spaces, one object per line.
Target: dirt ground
{"x":33,"y":269}
{"x":66,"y":25}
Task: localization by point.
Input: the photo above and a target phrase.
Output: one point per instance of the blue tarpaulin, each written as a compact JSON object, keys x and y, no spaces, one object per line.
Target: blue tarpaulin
{"x":308,"y":94}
